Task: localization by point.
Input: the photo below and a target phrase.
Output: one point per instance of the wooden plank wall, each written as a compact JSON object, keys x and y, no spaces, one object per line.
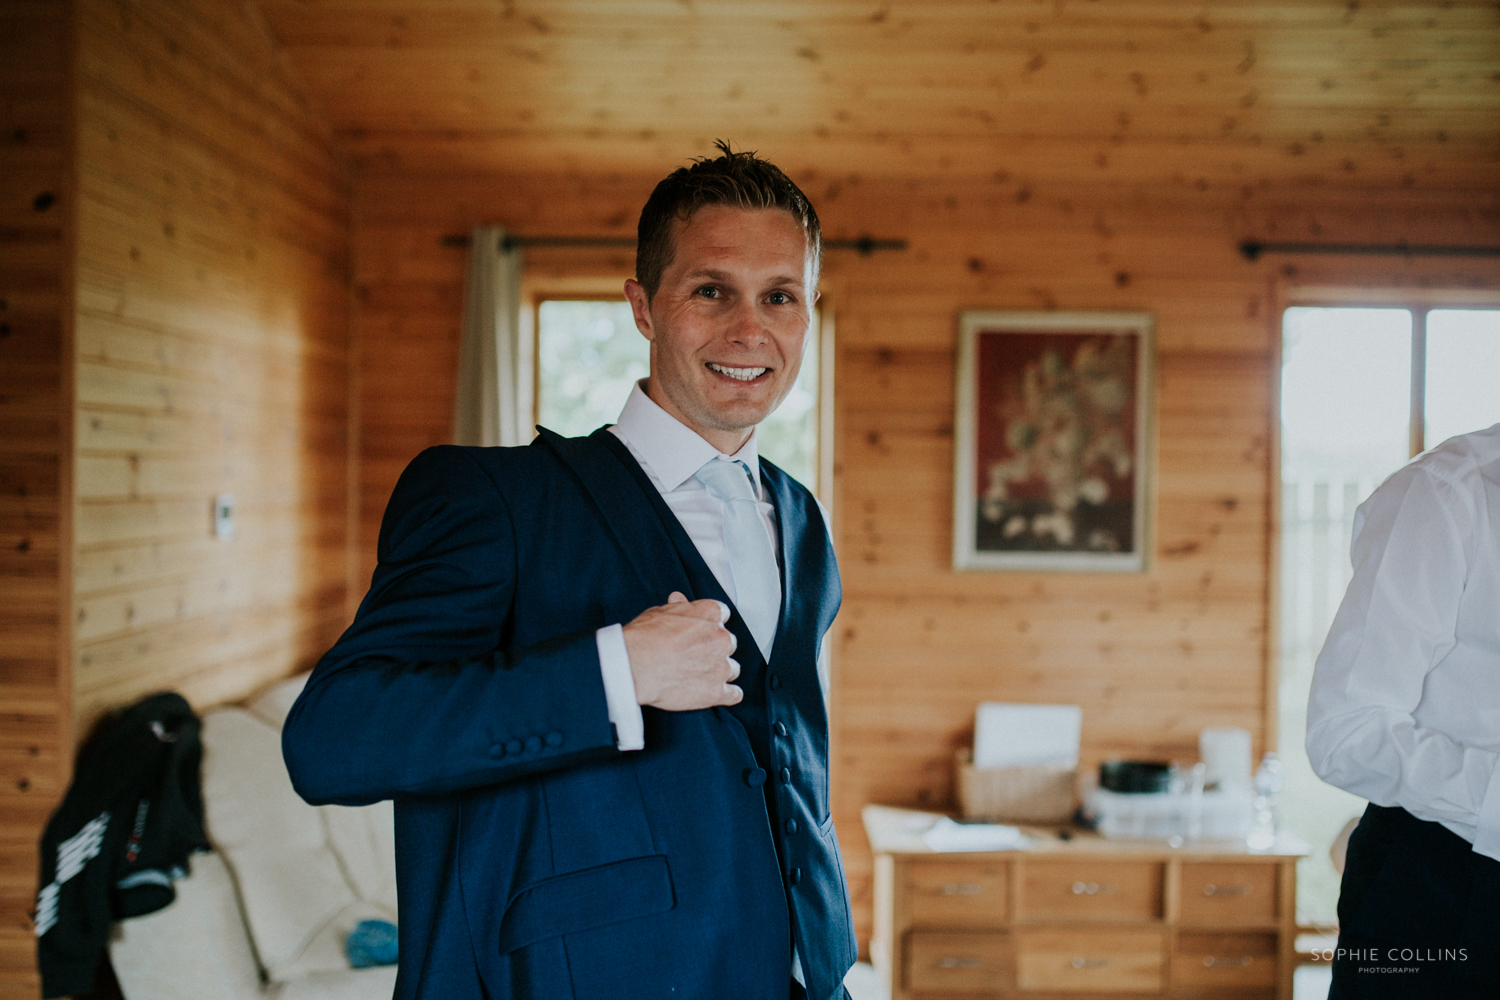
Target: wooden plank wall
{"x":36,"y":196}
{"x":1152,"y":658}
{"x":212,"y":356}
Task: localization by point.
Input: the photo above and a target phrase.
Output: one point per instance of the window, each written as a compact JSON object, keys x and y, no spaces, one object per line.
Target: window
{"x":1362,"y":390}
{"x":590,"y":355}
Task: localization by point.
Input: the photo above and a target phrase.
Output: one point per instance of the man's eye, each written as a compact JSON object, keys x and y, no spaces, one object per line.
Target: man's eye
{"x":708,"y":292}
{"x":779,"y":298}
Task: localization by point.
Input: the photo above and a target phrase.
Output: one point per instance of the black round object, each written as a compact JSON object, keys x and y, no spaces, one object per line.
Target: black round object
{"x":1135,"y":776}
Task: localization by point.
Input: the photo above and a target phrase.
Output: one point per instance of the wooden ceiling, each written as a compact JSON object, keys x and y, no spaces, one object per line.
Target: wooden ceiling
{"x":1232,"y":95}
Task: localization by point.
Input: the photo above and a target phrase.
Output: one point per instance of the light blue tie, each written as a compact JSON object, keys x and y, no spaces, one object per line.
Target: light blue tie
{"x":752,"y":563}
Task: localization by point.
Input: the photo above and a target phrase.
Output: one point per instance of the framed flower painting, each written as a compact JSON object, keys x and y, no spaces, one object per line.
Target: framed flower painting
{"x":1052,"y":441}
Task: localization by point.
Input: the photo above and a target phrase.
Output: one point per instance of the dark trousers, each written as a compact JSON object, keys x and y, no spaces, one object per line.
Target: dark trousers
{"x":1419,"y":914}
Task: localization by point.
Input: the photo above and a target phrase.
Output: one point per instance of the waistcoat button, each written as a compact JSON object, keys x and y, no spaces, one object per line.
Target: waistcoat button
{"x":780,"y":729}
{"x":791,"y":826}
{"x":754,"y":777}
{"x":775,"y":682}
{"x":796,"y":875}
{"x":786,"y":775}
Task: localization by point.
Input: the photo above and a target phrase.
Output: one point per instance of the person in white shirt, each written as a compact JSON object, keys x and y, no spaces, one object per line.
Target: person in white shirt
{"x":1405,"y":712}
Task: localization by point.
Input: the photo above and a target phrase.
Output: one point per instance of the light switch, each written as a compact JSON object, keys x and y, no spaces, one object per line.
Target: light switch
{"x":224,"y":516}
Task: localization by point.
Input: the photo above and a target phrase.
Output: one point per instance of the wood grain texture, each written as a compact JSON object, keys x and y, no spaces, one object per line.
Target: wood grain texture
{"x":1232,"y":96}
{"x":36,"y":230}
{"x":1152,"y":658}
{"x":212,"y":357}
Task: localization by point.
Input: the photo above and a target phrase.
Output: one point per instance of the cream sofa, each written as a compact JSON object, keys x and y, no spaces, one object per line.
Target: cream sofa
{"x":264,"y":915}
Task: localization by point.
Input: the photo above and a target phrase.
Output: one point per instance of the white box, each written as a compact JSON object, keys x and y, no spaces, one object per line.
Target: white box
{"x":1221,"y":815}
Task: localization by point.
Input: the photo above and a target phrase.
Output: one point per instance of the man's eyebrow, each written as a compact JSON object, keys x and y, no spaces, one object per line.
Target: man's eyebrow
{"x":708,"y":272}
{"x":717,"y":275}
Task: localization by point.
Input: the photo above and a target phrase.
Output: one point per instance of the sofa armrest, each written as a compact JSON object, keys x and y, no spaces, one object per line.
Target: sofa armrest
{"x":197,"y":947}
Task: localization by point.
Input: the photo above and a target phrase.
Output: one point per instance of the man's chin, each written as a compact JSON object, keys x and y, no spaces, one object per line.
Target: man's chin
{"x":740,"y":417}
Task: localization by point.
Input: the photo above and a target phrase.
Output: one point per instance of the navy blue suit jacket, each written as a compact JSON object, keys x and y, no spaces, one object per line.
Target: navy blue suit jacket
{"x":534,"y":859}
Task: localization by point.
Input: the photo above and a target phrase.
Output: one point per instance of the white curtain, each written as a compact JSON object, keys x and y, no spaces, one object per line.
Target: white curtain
{"x":493,"y":405}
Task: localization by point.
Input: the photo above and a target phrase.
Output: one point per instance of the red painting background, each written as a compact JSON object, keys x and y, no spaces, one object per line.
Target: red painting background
{"x":1000,"y":359}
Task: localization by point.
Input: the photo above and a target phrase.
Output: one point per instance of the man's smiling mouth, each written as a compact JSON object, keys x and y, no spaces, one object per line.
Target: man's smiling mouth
{"x":740,"y":374}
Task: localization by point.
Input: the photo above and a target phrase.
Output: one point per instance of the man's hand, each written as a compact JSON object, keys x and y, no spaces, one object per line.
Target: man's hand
{"x":680,"y":655}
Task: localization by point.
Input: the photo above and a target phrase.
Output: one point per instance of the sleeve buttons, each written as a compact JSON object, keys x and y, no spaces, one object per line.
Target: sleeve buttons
{"x":497,"y":750}
{"x":533,"y":744}
{"x":514,"y":746}
{"x":554,"y":739}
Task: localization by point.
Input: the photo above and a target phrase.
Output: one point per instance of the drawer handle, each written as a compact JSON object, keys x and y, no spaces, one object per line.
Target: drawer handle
{"x":1090,"y":963}
{"x":959,"y":962}
{"x":961,"y":889}
{"x":1226,"y":890}
{"x":1215,"y":962}
{"x":1091,"y":889}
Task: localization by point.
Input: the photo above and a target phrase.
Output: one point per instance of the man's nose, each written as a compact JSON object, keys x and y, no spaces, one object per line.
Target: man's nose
{"x":746,"y":326}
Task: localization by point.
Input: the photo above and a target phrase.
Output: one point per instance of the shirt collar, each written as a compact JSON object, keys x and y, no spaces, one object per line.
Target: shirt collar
{"x":671,"y":451}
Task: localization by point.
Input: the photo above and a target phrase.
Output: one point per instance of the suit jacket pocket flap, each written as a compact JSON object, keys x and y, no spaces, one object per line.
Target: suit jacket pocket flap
{"x":583,"y":900}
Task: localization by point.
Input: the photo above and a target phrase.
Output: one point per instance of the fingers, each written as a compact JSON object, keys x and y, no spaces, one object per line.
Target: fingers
{"x":707,"y":609}
{"x":734,"y":669}
{"x":733,"y":694}
{"x":677,"y":597}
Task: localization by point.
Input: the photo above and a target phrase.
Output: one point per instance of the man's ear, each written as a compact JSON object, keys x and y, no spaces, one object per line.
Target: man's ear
{"x":640,"y":307}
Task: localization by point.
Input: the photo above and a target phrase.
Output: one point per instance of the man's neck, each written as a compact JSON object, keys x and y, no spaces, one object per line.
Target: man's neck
{"x":728,"y":442}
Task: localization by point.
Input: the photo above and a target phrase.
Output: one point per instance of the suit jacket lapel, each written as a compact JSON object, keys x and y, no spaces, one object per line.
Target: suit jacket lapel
{"x":649,"y":533}
{"x":789,"y":526}
{"x":623,"y":509}
{"x":704,"y":581}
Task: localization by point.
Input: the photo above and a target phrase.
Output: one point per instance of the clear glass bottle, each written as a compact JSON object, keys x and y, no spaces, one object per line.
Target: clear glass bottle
{"x":1268,"y":782}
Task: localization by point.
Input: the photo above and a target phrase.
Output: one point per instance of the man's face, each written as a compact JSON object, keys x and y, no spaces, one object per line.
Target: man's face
{"x":729,"y":321}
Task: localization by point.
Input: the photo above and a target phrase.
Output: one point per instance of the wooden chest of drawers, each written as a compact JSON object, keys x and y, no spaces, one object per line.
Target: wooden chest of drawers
{"x":1082,"y":917}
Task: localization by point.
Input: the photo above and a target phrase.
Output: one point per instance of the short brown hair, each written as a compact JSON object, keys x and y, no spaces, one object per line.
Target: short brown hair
{"x":741,"y":179}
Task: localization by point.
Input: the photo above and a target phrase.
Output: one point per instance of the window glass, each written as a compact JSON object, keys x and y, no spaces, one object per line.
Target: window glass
{"x":590,"y":355}
{"x":789,"y":436}
{"x":1345,"y":426}
{"x":1463,"y":372}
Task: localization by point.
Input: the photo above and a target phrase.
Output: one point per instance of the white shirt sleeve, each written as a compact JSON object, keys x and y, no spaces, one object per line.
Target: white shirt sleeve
{"x":619,"y":688}
{"x":1398,"y":620}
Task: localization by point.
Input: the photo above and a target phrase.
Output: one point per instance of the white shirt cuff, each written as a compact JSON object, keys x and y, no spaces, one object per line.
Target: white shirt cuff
{"x":619,"y":688}
{"x":1487,"y":832}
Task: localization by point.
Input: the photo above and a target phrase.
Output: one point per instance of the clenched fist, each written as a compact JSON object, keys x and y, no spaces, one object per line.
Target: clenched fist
{"x":680,"y":654}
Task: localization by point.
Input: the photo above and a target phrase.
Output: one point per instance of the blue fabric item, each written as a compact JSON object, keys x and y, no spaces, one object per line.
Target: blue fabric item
{"x":372,"y":942}
{"x":534,"y":859}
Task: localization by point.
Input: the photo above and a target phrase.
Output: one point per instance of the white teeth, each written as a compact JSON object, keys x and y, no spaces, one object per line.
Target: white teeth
{"x":743,"y":374}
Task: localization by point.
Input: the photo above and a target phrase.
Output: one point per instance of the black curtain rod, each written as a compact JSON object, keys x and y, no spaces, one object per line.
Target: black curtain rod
{"x":863,"y":245}
{"x":1253,"y":249}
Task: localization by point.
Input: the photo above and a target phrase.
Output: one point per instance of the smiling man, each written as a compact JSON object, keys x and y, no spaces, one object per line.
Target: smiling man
{"x":587,"y":671}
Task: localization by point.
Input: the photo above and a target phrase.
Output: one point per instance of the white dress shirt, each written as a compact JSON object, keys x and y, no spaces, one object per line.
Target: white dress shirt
{"x":1405,"y":707}
{"x":670,"y":453}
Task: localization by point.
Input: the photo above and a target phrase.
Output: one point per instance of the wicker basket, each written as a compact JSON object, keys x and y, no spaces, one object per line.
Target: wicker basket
{"x":1015,"y":794}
